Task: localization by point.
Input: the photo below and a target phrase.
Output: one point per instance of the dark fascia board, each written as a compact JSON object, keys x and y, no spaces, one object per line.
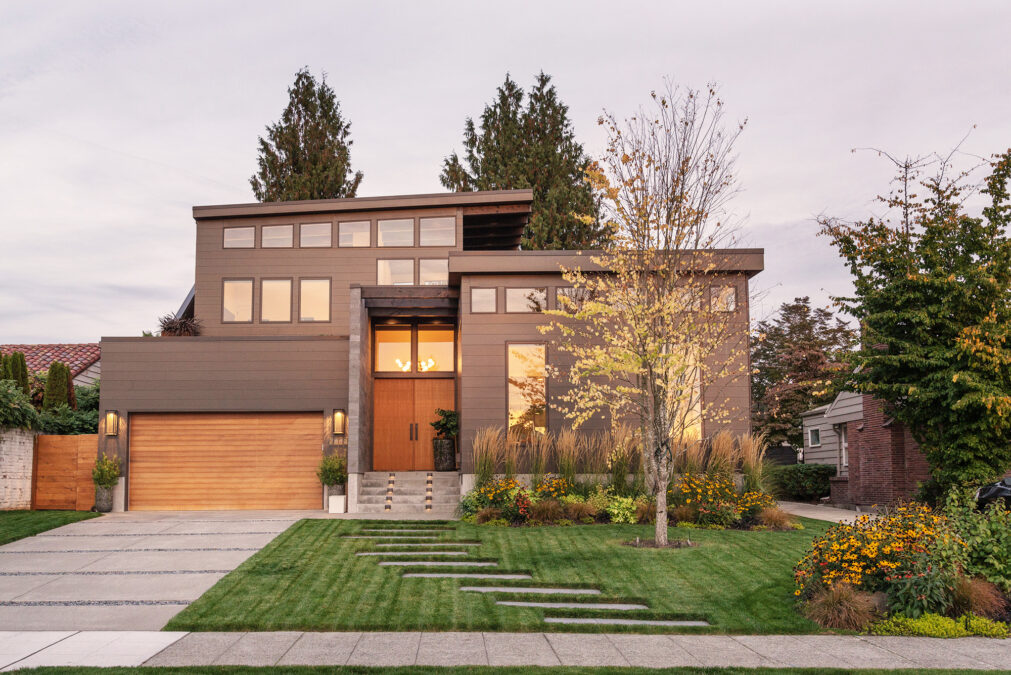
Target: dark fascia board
{"x":749,"y":261}
{"x":452,"y":199}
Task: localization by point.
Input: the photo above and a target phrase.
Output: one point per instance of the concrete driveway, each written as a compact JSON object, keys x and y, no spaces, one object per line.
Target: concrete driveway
{"x":127,"y":571}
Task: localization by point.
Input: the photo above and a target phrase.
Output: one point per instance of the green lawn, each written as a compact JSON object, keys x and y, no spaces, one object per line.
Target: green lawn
{"x":16,"y":525}
{"x":309,"y":579}
{"x":478,"y":670}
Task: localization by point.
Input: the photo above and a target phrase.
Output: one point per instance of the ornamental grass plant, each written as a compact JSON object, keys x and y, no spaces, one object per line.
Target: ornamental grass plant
{"x":841,"y":607}
{"x":489,"y":445}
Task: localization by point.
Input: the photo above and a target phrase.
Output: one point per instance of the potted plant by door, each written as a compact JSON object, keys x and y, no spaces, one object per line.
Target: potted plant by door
{"x":333,"y":474}
{"x":444,"y":443}
{"x":105,"y":474}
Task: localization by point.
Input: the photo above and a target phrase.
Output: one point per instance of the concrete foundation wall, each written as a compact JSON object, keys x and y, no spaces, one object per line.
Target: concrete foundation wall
{"x":17,"y":449}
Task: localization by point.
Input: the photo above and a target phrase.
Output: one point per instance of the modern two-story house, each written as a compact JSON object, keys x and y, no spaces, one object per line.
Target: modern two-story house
{"x":341,"y":326}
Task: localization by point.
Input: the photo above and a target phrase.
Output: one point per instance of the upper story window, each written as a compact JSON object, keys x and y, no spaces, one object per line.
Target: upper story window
{"x":433,"y":272}
{"x":237,"y":301}
{"x":314,"y":235}
{"x":275,"y":300}
{"x":483,"y":300}
{"x":723,"y":298}
{"x":814,"y":438}
{"x":571,"y":298}
{"x":437,"y":231}
{"x":689,"y":299}
{"x":239,"y":237}
{"x":395,"y":272}
{"x":354,"y":233}
{"x":526,"y":299}
{"x":276,"y":236}
{"x":398,"y":232}
{"x":314,"y":300}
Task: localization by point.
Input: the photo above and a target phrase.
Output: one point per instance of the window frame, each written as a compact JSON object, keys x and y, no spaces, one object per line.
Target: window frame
{"x":252,"y":299}
{"x":547,"y":391}
{"x":418,"y":228}
{"x":414,"y":373}
{"x":291,"y":226}
{"x":370,"y":233}
{"x":524,"y":288}
{"x":422,"y":260}
{"x":414,"y":233}
{"x":238,"y":227}
{"x":316,"y":222}
{"x":810,"y":439}
{"x":493,"y":289}
{"x":414,"y":272}
{"x":291,"y":300}
{"x":329,"y":300}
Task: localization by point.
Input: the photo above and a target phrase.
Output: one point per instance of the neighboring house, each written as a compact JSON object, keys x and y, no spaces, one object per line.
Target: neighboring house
{"x":878,"y":461}
{"x":84,"y":359}
{"x":340,"y":326}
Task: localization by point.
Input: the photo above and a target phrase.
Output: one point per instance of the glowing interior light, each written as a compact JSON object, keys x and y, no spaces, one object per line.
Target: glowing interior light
{"x":425,"y":366}
{"x":406,"y":367}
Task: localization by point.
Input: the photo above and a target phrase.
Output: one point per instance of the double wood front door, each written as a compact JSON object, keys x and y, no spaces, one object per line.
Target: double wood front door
{"x":402,"y":412}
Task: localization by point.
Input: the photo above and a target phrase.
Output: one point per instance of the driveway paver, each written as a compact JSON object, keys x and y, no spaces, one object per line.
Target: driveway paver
{"x":127,"y":571}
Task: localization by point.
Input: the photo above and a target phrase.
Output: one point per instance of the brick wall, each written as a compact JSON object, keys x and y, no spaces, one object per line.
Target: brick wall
{"x":16,"y":457}
{"x":885,"y":462}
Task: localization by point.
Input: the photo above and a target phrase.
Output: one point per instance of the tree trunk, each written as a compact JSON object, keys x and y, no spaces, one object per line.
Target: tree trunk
{"x":661,"y":514}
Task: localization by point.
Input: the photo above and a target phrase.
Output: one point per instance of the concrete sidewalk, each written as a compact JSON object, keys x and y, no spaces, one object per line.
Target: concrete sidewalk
{"x":33,"y":649}
{"x":820,"y":512}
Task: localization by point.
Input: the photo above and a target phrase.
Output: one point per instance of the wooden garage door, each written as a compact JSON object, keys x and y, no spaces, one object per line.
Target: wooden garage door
{"x":225,"y":461}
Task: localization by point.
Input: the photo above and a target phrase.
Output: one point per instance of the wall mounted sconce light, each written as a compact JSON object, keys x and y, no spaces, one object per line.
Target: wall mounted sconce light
{"x":111,"y":423}
{"x":340,"y":423}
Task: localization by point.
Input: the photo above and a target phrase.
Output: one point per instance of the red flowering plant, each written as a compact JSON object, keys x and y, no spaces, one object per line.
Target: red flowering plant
{"x":518,"y":510}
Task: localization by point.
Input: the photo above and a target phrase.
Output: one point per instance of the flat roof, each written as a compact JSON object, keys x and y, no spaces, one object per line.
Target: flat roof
{"x":480,"y":198}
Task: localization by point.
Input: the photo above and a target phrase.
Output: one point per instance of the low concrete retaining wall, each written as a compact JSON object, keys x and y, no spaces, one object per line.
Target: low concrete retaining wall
{"x":17,"y":449}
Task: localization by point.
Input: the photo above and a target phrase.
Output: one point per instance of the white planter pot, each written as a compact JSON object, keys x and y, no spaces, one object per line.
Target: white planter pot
{"x":338,"y":504}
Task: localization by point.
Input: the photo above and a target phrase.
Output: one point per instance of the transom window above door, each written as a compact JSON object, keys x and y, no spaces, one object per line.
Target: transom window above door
{"x":415,"y":350}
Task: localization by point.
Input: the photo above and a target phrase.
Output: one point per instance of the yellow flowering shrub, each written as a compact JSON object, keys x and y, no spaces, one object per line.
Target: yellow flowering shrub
{"x":553,"y":487}
{"x":751,"y":503}
{"x":497,"y":492}
{"x":694,"y":490}
{"x":873,"y":547}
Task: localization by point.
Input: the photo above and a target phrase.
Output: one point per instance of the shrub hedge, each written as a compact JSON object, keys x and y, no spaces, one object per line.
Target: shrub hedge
{"x":803,"y":482}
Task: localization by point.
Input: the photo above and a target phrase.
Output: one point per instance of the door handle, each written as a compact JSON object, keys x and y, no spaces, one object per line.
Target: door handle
{"x":410,"y":431}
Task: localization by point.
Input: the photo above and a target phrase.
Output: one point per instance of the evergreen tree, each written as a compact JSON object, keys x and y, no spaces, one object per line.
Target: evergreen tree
{"x":19,"y":371}
{"x":933,"y":296}
{"x":57,"y":386}
{"x":307,"y":154}
{"x":798,"y":362}
{"x":531,"y":146}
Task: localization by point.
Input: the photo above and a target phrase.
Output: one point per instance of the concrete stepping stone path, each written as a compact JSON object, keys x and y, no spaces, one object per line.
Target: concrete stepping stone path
{"x":435,"y":563}
{"x":388,"y":553}
{"x":464,"y":575}
{"x":618,"y":606}
{"x":531,"y":589}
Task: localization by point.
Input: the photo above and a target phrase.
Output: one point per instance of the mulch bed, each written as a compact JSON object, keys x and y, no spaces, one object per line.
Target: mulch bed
{"x":651,"y":543}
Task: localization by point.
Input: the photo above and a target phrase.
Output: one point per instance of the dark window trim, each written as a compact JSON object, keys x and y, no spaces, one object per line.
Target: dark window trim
{"x":413,"y":326}
{"x":372,"y":233}
{"x":414,"y":230}
{"x":421,"y":260}
{"x":240,"y":248}
{"x":252,"y":299}
{"x":314,"y":222}
{"x":329,"y":300}
{"x":484,"y":288}
{"x":414,"y":275}
{"x":505,"y":298}
{"x":291,"y":225}
{"x":418,"y":238}
{"x":547,"y":392}
{"x":291,"y":301}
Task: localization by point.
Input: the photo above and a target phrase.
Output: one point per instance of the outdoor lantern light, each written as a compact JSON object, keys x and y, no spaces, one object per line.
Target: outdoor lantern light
{"x":111,"y":423}
{"x":340,"y":423}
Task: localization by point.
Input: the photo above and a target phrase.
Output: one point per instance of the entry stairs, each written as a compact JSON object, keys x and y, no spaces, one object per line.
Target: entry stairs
{"x":407,"y":492}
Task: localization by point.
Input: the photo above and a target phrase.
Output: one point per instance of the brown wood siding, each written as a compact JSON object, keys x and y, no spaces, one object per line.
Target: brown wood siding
{"x":224,"y":461}
{"x":345,"y":266}
{"x":63,"y":467}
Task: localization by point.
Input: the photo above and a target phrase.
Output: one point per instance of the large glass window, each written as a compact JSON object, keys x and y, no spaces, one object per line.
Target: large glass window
{"x":314,"y":300}
{"x":237,"y":301}
{"x":314,"y":235}
{"x":437,"y":231}
{"x":276,"y":236}
{"x":395,"y":272}
{"x":395,"y":232}
{"x":526,"y":299}
{"x":724,"y":298}
{"x":275,"y":300}
{"x":239,"y":237}
{"x":435,"y":350}
{"x":354,"y":233}
{"x":393,"y":350}
{"x":527,"y":385}
{"x":433,"y":272}
{"x":483,"y":300}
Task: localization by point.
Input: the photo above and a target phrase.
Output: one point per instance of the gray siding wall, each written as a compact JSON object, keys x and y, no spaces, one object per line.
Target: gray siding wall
{"x":344,"y":266}
{"x":847,"y":407}
{"x":206,"y":374}
{"x":89,"y":375}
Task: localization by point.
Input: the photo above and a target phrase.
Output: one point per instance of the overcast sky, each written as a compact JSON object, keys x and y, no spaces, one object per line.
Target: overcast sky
{"x":117,"y":117}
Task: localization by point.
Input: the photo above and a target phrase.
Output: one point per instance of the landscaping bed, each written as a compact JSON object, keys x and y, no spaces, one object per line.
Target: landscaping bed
{"x":309,"y":578}
{"x":16,"y":525}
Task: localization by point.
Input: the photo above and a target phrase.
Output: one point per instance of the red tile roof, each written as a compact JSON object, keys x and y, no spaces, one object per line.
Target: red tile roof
{"x":77,"y":356}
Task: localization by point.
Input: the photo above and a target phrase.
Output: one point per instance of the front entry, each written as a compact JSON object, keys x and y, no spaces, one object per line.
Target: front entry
{"x":402,"y":412}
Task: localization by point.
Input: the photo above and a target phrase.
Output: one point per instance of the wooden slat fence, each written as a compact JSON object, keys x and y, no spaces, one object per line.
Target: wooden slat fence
{"x":62,"y":476}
